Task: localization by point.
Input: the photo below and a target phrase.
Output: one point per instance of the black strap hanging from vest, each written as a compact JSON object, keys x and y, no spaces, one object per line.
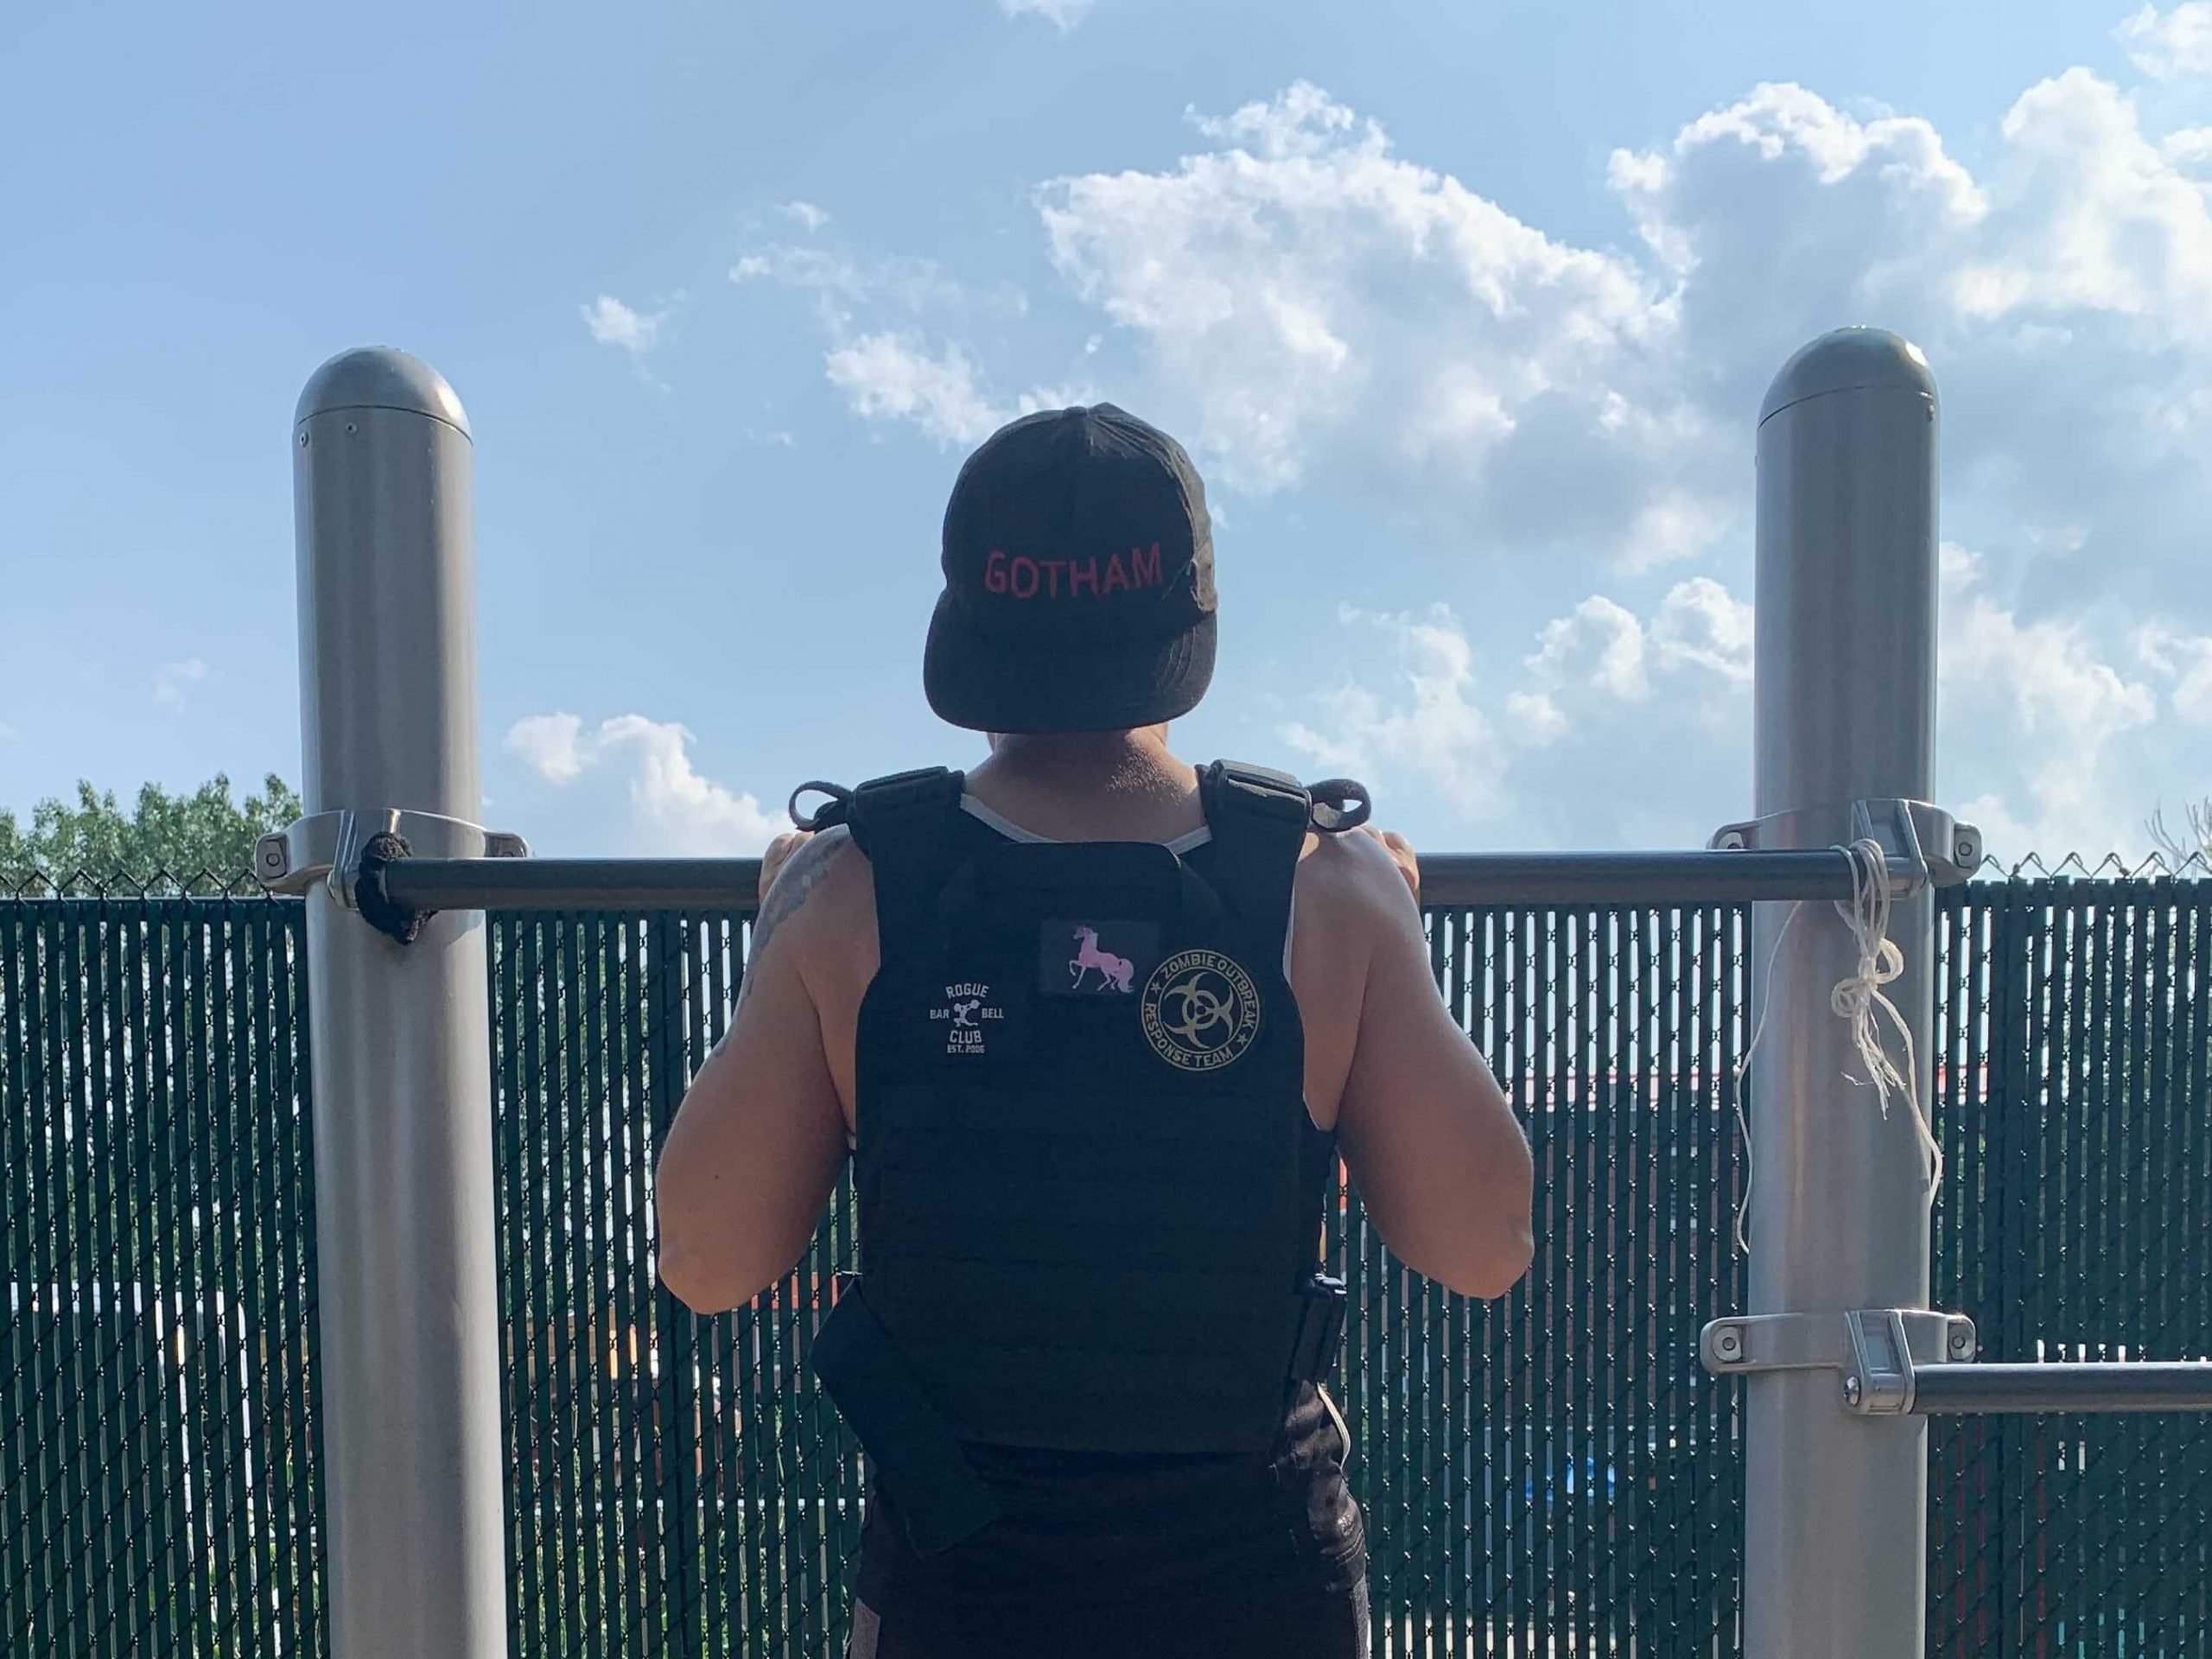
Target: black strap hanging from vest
{"x":1339,"y":803}
{"x":903,"y":823}
{"x":1259,"y":820}
{"x":874,"y":1386}
{"x":825,"y":818}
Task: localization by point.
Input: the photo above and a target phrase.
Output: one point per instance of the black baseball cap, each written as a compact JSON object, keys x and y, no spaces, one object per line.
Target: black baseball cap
{"x":1079,"y":580}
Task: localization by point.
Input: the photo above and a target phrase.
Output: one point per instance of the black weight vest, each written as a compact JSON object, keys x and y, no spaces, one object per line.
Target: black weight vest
{"x":1090,"y":1195}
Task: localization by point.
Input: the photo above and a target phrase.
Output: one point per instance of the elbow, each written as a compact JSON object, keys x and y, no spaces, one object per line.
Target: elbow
{"x":706,"y":1272}
{"x":685,"y":1271}
{"x":693,"y":1255}
{"x":1501,"y":1265}
{"x":694,"y":1282}
{"x":1498,"y":1255}
{"x":1512,"y":1241}
{"x":1480,"y":1264}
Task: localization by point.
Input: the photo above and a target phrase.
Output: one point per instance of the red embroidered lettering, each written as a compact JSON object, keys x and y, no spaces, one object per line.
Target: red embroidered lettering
{"x":995,"y":573}
{"x":1052,"y":567}
{"x":1023,"y":563}
{"x":1080,"y":574}
{"x":1115,"y":576}
{"x":1143,"y":574}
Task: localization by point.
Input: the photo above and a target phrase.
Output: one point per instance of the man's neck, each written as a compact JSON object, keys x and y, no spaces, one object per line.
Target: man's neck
{"x":1136,"y":761}
{"x":1091,"y":784}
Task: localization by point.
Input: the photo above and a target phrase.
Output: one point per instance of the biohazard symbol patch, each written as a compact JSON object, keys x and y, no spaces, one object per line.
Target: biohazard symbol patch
{"x":1200,"y":1011}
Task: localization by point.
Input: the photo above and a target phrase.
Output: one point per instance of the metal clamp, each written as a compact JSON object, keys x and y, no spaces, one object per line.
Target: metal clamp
{"x":1925,"y":845}
{"x":328,"y":846}
{"x":1874,"y":1349}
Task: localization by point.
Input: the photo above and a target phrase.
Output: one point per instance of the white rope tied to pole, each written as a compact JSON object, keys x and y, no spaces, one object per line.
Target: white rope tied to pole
{"x":1743,"y":1124}
{"x":1858,"y":996}
{"x":1854,"y":999}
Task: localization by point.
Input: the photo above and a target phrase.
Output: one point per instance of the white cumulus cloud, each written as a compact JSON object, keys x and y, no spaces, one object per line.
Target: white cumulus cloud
{"x":2166,"y":44}
{"x":1313,"y":304}
{"x":1606,"y":695}
{"x":173,"y":680}
{"x":1314,"y":310}
{"x":675,"y":809}
{"x":1699,"y":637}
{"x":840,"y":282}
{"x":2035,"y":718}
{"x":1700,"y":625}
{"x":2183,"y":661}
{"x":612,"y":323}
{"x":898,"y":377}
{"x":806,"y":214}
{"x":1062,"y":14}
{"x":894,"y":368}
{"x":1601,"y":644}
{"x":552,"y":744}
{"x":1434,"y":732}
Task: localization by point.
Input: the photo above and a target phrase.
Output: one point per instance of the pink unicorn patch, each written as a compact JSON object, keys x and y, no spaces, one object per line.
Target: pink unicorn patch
{"x":1116,"y":971}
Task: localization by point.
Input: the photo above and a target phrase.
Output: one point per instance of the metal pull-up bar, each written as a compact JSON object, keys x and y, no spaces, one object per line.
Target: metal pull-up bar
{"x":1455,"y":879}
{"x":427,"y":886}
{"x":1921,"y":846}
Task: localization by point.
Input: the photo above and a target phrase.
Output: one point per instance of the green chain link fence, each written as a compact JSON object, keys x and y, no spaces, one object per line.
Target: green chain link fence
{"x":1552,"y":1474}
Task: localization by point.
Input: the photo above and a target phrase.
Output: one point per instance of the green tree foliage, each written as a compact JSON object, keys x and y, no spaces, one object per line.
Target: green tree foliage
{"x":199,"y":843}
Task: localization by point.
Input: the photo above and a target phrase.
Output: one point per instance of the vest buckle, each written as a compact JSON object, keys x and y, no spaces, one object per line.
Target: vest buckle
{"x":1321,"y":1329}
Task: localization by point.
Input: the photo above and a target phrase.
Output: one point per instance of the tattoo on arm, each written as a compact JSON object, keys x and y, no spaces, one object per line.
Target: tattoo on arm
{"x":793,"y":884}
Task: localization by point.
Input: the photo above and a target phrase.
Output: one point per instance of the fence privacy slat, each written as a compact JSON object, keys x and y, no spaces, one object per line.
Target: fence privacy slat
{"x":1549,"y":1474}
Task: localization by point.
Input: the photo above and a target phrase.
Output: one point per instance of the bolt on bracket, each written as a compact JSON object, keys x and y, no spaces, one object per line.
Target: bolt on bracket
{"x":328,"y":846}
{"x":1873,"y":1349}
{"x":1924,"y":845}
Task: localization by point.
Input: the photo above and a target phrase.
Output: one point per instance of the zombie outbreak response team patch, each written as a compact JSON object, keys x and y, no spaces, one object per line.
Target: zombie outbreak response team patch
{"x":1200,"y":1011}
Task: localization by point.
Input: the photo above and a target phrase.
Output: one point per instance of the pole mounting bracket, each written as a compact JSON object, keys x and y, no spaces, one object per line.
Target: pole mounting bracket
{"x":347,"y":849}
{"x":1924,"y":845}
{"x":1873,"y":1349}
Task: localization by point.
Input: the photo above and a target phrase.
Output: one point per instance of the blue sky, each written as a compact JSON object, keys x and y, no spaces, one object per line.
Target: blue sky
{"x":1465,"y":309}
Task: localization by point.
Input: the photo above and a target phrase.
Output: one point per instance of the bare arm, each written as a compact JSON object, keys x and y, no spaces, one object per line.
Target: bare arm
{"x":759,"y":1142}
{"x":1440,"y":1160}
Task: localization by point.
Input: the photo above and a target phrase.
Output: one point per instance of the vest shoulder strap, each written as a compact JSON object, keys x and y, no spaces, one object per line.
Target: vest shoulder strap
{"x":1259,"y":819}
{"x":904,"y":823}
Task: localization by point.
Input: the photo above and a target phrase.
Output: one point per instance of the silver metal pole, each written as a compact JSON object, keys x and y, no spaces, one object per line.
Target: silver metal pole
{"x":1844,"y":709}
{"x":408,"y":1321}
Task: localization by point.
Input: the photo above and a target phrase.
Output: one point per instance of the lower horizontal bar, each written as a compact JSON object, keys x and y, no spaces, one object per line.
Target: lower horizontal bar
{"x":1951,"y":1390}
{"x":1457,"y":880}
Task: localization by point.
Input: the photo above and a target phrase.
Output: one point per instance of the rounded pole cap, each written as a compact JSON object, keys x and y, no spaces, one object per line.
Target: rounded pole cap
{"x":378,"y":377}
{"x":1850,"y":359}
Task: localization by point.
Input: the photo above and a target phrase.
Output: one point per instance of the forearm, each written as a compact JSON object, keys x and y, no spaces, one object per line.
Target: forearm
{"x":759,"y":1141}
{"x":1498,"y":1192}
{"x":1449,"y":1190}
{"x":1441,"y":1161}
{"x":737,"y":1194}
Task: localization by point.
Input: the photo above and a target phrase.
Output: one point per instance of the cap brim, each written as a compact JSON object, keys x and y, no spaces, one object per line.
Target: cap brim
{"x":985,"y":683}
